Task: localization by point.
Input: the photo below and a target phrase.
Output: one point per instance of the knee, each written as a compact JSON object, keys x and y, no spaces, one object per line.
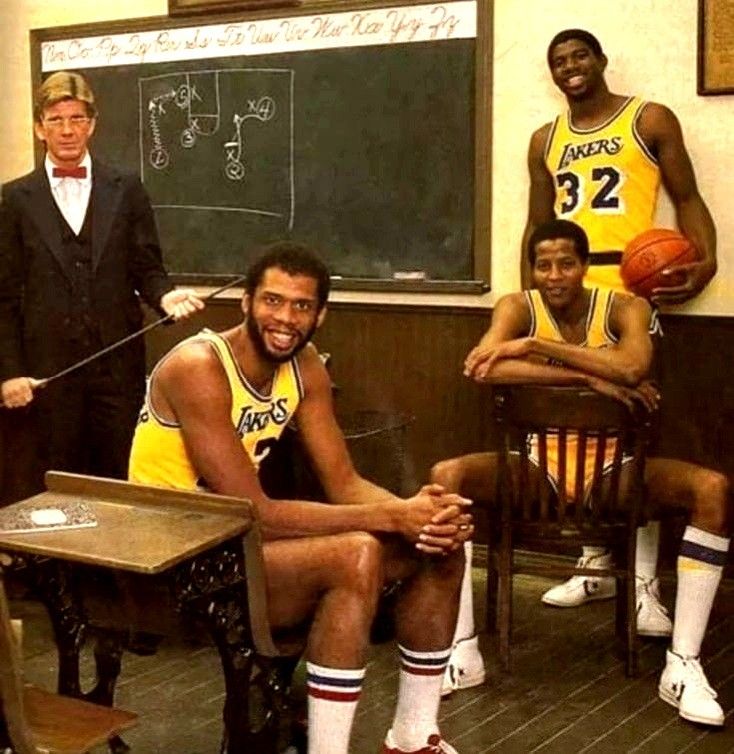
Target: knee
{"x":448,"y":473}
{"x":361,"y":566}
{"x":713,"y":502}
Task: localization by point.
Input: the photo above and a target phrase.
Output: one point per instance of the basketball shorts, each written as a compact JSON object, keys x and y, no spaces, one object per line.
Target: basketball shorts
{"x":552,"y":454}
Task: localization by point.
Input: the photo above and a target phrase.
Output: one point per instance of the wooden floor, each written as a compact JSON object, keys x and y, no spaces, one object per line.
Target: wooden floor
{"x":567,"y":691}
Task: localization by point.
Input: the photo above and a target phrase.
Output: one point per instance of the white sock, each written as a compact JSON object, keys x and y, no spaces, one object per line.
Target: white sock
{"x":700,"y":565}
{"x":333,"y":694}
{"x":465,"y":618}
{"x":590,"y":551}
{"x":646,"y":552}
{"x":419,"y":694}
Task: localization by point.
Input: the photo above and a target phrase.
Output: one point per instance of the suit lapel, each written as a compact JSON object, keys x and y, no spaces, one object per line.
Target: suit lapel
{"x":104,"y":204}
{"x":44,"y":213}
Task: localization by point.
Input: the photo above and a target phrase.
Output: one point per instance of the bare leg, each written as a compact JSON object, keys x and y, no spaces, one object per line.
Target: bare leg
{"x":473,"y":475}
{"x":705,"y":492}
{"x":336,"y":579}
{"x":428,"y":602}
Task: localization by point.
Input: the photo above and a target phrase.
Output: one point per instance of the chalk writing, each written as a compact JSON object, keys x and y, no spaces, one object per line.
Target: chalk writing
{"x":379,"y":26}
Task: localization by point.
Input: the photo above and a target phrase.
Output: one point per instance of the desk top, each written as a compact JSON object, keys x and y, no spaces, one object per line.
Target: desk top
{"x":147,"y":533}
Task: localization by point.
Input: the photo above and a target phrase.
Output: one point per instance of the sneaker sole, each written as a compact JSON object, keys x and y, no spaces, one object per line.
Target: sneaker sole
{"x":590,"y":598}
{"x":467,"y":682}
{"x":671,"y":699}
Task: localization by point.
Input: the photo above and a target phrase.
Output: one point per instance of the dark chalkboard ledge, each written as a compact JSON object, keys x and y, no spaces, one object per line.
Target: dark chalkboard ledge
{"x":409,"y":286}
{"x":338,"y":283}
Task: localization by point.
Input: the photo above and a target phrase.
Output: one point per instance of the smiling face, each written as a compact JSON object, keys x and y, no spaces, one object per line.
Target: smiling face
{"x":282,"y":314}
{"x":576,"y":70}
{"x":558,"y":272}
{"x":66,"y":129}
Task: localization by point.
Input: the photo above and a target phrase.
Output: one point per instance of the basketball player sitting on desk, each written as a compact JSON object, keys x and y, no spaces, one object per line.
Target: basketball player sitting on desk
{"x":600,"y":164}
{"x":214,"y":406}
{"x":601,"y":339}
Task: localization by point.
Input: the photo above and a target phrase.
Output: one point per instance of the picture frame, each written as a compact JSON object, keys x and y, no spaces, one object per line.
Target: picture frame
{"x":715,"y":64}
{"x":192,"y":7}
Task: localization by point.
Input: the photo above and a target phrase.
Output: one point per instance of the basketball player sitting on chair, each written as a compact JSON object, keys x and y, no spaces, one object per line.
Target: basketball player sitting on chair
{"x":600,"y":164}
{"x":561,"y":333}
{"x":215,"y":405}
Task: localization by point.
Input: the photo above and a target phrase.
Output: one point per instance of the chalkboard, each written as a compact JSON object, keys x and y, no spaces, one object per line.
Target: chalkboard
{"x":366,"y":151}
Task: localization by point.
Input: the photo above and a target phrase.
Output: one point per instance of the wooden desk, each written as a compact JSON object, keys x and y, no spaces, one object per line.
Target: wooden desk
{"x":204,"y":548}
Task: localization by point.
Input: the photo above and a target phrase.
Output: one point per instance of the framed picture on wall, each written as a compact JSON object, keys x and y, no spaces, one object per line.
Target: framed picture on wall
{"x":715,"y":47}
{"x":188,"y":7}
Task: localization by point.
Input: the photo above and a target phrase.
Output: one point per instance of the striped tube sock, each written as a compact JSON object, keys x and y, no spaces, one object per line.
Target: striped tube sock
{"x":419,"y":694}
{"x":333,"y":694}
{"x":700,"y":565}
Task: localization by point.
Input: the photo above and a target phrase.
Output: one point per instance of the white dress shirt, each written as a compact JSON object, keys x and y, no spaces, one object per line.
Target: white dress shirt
{"x":72,"y":194}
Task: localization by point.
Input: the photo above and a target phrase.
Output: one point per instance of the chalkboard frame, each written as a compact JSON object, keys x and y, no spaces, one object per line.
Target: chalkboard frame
{"x":481,"y":252}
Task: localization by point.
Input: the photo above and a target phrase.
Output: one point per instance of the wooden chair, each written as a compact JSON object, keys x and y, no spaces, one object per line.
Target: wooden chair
{"x":38,"y":721}
{"x":592,"y":502}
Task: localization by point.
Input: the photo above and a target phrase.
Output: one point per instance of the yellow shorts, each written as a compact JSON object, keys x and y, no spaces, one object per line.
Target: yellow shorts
{"x":572,"y":443}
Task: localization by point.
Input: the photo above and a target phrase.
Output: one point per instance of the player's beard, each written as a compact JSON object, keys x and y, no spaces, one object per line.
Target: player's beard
{"x":259,"y":342}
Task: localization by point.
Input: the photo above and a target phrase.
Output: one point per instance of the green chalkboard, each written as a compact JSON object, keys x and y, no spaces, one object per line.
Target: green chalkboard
{"x":367,"y":152}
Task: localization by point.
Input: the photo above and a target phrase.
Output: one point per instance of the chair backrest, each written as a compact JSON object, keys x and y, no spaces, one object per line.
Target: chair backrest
{"x":11,"y":682}
{"x":580,"y":441}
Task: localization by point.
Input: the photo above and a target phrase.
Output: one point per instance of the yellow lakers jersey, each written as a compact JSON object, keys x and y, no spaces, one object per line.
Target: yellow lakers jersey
{"x":598,"y":335}
{"x":159,"y":454}
{"x":606,"y":181}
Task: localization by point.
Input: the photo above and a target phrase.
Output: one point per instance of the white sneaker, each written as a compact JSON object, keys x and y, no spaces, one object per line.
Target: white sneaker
{"x":652,"y":616}
{"x":580,"y":589}
{"x":684,"y":685}
{"x":465,"y":668}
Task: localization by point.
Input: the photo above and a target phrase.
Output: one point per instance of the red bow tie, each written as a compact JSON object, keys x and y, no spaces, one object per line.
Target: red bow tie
{"x":77,"y":172}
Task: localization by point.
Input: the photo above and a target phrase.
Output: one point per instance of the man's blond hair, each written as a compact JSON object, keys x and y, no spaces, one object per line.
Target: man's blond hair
{"x":60,"y":86}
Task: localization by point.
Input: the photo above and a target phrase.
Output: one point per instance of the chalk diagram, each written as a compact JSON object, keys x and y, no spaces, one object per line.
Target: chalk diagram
{"x":262,"y":110}
{"x":219,"y":140}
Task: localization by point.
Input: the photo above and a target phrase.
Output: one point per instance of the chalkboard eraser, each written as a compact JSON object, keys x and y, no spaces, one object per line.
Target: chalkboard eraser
{"x":409,"y":275}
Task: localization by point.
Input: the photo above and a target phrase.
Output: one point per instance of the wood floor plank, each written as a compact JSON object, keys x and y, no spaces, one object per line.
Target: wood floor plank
{"x":566,"y":693}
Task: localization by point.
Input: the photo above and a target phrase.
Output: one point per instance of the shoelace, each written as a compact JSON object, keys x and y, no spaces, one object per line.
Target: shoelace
{"x":698,"y":677}
{"x":647,"y":586}
{"x":574,"y":580}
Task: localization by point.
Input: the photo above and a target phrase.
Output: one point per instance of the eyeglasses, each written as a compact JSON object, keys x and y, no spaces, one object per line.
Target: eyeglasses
{"x":57,"y":123}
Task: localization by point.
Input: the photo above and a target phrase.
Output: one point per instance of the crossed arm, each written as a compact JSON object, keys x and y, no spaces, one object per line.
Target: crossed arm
{"x":507,"y":355}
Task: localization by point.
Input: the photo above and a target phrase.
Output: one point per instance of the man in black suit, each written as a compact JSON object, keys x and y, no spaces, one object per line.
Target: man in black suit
{"x":78,"y":244}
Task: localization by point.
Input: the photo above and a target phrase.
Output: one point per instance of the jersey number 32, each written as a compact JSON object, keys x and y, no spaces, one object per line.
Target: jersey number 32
{"x":603,"y":187}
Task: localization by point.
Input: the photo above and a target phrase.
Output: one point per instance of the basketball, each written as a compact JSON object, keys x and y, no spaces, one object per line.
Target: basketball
{"x":648,"y":254}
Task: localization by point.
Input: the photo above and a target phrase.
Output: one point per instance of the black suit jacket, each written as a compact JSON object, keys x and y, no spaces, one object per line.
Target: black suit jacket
{"x":35,"y":279}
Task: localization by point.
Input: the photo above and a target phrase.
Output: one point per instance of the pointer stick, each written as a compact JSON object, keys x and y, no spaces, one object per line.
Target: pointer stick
{"x":37,"y":384}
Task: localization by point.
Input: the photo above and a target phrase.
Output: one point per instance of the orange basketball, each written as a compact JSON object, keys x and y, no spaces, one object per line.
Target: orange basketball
{"x":648,"y":254}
